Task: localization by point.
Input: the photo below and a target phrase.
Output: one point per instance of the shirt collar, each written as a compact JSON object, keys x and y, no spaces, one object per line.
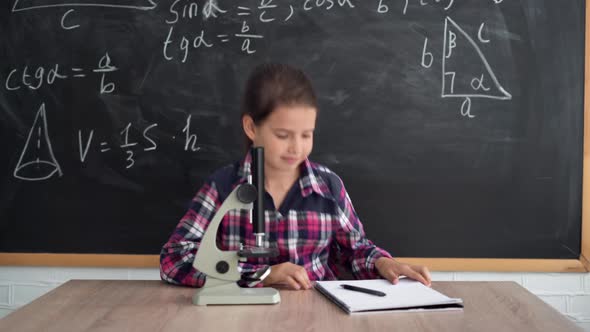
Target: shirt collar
{"x":309,"y":180}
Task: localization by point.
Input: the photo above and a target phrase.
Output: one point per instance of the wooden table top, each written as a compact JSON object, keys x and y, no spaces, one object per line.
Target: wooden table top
{"x":119,"y":305}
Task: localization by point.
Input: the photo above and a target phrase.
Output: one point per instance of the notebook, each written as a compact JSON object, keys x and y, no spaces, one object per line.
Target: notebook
{"x":407,"y":295}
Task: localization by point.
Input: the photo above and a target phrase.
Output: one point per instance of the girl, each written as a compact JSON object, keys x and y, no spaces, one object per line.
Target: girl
{"x":308,"y":213}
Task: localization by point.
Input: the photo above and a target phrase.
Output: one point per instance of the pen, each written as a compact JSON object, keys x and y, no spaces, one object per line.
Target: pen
{"x":362,"y":290}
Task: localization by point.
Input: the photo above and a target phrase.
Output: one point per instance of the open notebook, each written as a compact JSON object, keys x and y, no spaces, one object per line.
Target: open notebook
{"x":407,"y":295}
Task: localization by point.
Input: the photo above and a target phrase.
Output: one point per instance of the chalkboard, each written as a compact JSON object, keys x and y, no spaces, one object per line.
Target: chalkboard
{"x":457,"y":126}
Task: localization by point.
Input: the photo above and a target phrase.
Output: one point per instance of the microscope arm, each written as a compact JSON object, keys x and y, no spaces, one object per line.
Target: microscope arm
{"x":209,"y":259}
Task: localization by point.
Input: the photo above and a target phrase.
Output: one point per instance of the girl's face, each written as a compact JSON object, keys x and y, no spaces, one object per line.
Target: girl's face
{"x":286,"y":135}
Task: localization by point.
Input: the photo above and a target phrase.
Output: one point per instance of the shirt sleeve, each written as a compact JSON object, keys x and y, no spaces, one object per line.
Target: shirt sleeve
{"x":178,"y":254}
{"x":356,"y":250}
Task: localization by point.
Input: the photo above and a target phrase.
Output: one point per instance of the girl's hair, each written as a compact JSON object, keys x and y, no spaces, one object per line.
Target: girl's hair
{"x":271,"y":85}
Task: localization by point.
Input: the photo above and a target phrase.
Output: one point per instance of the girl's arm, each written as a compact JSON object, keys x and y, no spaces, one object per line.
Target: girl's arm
{"x":358,"y":251}
{"x":178,"y":254}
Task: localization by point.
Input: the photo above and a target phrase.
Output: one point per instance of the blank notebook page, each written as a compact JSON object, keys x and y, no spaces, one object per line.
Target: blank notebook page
{"x":405,"y":294}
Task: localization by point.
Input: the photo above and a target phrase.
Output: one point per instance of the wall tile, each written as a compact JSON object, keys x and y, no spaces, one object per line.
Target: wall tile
{"x":24,"y":293}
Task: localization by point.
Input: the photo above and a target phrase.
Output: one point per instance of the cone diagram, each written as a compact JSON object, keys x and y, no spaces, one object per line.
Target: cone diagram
{"x":37,"y":161}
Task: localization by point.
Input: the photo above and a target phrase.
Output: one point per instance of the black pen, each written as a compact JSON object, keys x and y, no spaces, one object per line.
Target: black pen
{"x":362,"y":290}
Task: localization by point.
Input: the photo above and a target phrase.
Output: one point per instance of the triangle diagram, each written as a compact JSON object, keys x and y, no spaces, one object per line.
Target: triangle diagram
{"x":465,"y":69}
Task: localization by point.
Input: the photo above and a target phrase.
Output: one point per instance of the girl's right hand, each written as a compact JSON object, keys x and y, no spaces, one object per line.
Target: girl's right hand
{"x":289,"y":274}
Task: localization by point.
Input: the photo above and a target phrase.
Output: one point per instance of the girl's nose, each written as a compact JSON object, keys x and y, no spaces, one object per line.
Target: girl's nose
{"x":295,"y":145}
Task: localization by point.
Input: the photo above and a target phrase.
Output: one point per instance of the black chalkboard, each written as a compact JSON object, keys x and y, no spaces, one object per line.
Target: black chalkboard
{"x":457,"y":126}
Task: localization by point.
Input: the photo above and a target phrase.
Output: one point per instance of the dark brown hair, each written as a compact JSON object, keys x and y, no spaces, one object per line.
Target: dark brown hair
{"x":271,"y":85}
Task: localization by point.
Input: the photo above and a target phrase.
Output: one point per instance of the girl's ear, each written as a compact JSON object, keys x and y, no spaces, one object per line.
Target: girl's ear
{"x":249,"y":127}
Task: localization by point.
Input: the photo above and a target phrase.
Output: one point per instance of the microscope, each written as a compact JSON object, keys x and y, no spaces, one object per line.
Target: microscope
{"x":221,"y":267}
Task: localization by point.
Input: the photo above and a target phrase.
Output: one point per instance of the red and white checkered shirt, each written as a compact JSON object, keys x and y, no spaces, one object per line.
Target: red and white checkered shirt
{"x":315,"y":227}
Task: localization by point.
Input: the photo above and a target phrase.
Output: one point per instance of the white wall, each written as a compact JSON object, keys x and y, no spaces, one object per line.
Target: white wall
{"x":569,"y":293}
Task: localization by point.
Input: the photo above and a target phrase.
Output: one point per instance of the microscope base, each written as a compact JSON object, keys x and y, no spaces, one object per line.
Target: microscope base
{"x":231,"y":293}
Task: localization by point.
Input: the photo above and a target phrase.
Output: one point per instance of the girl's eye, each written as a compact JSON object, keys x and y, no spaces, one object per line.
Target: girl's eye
{"x":282,"y":136}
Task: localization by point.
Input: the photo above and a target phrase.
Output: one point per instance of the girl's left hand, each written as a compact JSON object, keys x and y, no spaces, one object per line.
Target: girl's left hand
{"x":391,"y":270}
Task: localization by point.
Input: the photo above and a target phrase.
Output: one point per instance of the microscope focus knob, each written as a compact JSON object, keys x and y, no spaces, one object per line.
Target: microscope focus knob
{"x":222,"y":267}
{"x":246,"y":193}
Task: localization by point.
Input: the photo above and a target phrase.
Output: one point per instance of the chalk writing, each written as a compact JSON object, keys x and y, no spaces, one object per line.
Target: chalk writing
{"x":178,"y":43}
{"x":326,"y":4}
{"x":37,"y":161}
{"x":190,"y":142}
{"x":67,"y":26}
{"x":35,"y":79}
{"x":131,"y":142}
{"x":27,"y":5}
{"x":455,"y":36}
{"x":483,"y":84}
{"x":23,"y":5}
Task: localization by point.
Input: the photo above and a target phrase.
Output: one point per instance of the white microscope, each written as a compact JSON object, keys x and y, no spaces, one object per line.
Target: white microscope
{"x":221,"y":267}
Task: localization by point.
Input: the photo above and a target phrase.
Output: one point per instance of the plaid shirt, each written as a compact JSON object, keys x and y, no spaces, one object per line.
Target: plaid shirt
{"x":315,"y":227}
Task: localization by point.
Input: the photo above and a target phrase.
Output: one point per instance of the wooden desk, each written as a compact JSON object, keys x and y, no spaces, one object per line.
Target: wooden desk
{"x":107,"y":305}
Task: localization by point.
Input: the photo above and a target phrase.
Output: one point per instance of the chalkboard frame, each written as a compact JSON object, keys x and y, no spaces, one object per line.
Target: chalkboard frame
{"x":582,"y":264}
